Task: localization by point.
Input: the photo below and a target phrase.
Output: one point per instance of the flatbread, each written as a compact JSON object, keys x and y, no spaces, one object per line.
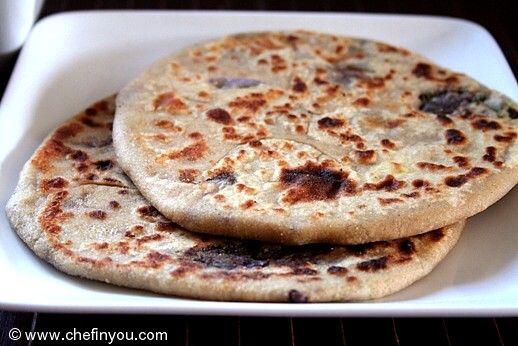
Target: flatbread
{"x":75,"y":209}
{"x":302,"y":137}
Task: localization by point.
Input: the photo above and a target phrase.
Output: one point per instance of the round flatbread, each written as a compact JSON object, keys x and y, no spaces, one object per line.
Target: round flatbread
{"x":303,"y":137}
{"x":75,"y":209}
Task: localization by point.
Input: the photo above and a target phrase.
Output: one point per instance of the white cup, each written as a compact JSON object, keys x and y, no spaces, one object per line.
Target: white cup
{"x":16,"y":20}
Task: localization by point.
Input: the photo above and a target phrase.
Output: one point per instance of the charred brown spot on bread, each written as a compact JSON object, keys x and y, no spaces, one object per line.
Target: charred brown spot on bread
{"x":436,"y":235}
{"x":134,"y":231}
{"x":252,"y":254}
{"x":219,"y":197}
{"x":195,"y":135}
{"x":193,"y":152}
{"x":92,"y":177}
{"x":220,"y":116}
{"x":55,"y":148}
{"x":339,"y":49}
{"x":123,"y":192}
{"x":300,"y":129}
{"x":278,"y":63}
{"x":93,"y":262}
{"x":444,"y":120}
{"x":54,"y":183}
{"x":337,"y":270}
{"x":418,"y":183}
{"x":149,"y":238}
{"x":387,"y":201}
{"x":461,"y":161}
{"x":456,"y":181}
{"x":168,"y":226}
{"x":91,"y":111}
{"x":228,"y":255}
{"x":112,"y":182}
{"x":90,"y":122}
{"x":386,"y":48}
{"x":79,"y":155}
{"x":224,"y":178}
{"x":455,"y":137}
{"x":114,"y":205}
{"x":148,"y":212}
{"x":100,"y":246}
{"x":406,"y":247}
{"x":389,"y":184}
{"x":327,"y":122}
{"x":187,"y":175}
{"x":104,"y":165}
{"x":314,"y":182}
{"x":413,"y":194}
{"x":243,"y":188}
{"x":255,"y":144}
{"x":167,"y":125}
{"x":387,"y":143}
{"x":486,"y":125}
{"x":295,"y":296}
{"x":183,"y":270}
{"x":320,"y":81}
{"x":507,"y":137}
{"x":247,"y":204}
{"x":423,"y":70}
{"x":490,"y":155}
{"x":373,"y":265}
{"x":251,"y":102}
{"x":101,"y":105}
{"x":97,"y":214}
{"x":362,"y":102}
{"x":67,"y":131}
{"x":373,"y":82}
{"x":461,"y":179}
{"x":52,"y":215}
{"x":171,"y":103}
{"x":157,"y":257}
{"x":303,"y":271}
{"x":445,"y":102}
{"x":244,"y":119}
{"x":366,"y":157}
{"x":122,"y":247}
{"x":81,"y":167}
{"x":299,"y":85}
{"x":429,"y":166}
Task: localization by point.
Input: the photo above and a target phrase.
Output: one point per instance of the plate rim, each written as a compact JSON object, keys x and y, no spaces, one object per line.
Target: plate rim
{"x":364,"y":309}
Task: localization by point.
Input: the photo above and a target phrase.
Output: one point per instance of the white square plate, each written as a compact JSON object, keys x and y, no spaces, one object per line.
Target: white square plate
{"x":73,"y":59}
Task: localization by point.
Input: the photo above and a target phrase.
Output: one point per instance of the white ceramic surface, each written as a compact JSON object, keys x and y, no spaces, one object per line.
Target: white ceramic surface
{"x":72,"y":59}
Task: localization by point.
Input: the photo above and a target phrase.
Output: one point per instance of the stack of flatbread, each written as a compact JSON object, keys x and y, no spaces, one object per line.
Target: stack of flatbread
{"x":280,"y":166}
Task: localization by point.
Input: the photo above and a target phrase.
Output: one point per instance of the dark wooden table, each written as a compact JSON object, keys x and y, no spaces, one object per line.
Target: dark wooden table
{"x":498,"y":17}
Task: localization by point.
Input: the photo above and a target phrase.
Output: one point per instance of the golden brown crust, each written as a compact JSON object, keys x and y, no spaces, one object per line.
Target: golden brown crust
{"x":303,"y":137}
{"x":103,"y":229}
